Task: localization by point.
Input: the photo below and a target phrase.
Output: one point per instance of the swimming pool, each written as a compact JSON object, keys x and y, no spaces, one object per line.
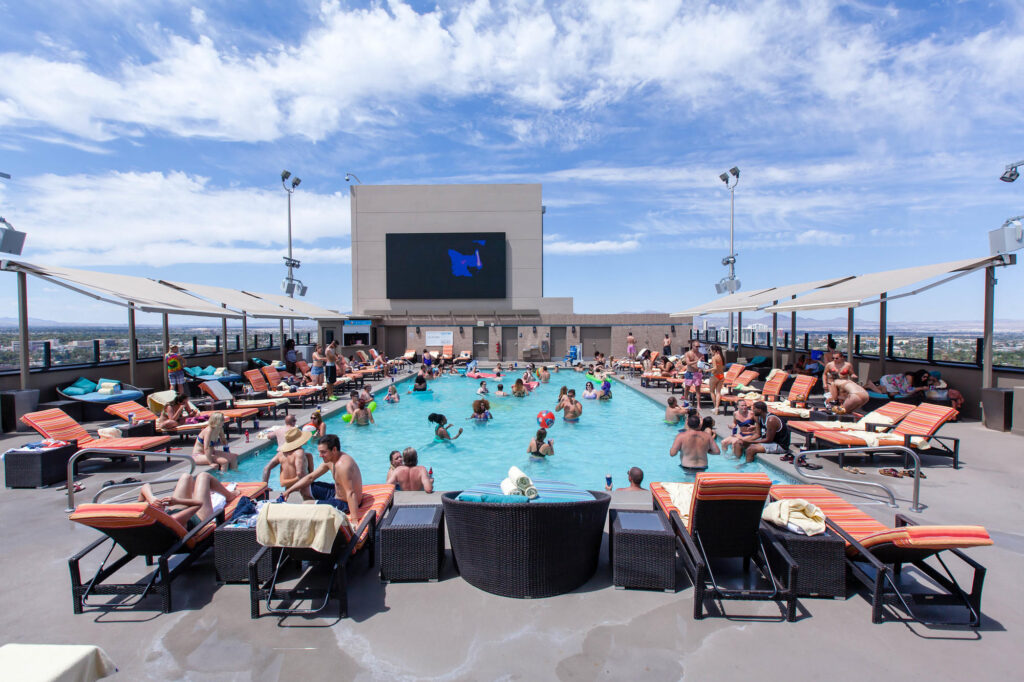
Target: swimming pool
{"x":610,"y":437}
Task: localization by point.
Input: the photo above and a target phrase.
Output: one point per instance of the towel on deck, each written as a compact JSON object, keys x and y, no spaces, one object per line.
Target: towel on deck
{"x":300,"y":525}
{"x":798,"y":516}
{"x":109,"y":432}
{"x":783,"y":407}
{"x":55,"y":662}
{"x":873,"y":440}
{"x":681,"y":495}
{"x":859,"y":425}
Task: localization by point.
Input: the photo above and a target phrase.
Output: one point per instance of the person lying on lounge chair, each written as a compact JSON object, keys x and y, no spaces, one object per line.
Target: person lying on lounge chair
{"x":193,"y":500}
{"x":175,"y":413}
{"x":293,"y":460}
{"x":849,"y":394}
{"x":693,"y":446}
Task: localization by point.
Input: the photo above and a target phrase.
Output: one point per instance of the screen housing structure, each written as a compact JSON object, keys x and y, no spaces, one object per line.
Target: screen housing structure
{"x":446,"y":265}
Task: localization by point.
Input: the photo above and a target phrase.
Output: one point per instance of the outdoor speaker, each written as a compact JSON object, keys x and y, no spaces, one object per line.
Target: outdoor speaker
{"x":11,"y":241}
{"x":1006,"y":239}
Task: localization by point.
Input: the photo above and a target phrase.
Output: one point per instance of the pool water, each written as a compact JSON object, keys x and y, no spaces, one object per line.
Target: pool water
{"x":610,"y":437}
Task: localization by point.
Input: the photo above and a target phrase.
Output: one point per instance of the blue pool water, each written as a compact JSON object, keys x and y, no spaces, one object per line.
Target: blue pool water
{"x":610,"y":437}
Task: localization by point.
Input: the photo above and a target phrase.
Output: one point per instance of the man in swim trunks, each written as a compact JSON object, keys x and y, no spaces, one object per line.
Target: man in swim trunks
{"x":772,"y":437}
{"x":571,"y":408}
{"x":293,"y":460}
{"x":630,"y":346}
{"x":693,"y":377}
{"x":331,"y":367}
{"x":666,"y":349}
{"x":694,"y":446}
{"x":410,"y":475}
{"x":346,"y":492}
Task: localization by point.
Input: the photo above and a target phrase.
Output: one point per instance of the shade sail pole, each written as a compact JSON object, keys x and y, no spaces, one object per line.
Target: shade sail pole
{"x":990,"y":301}
{"x":849,"y":335}
{"x":23,"y":326}
{"x":224,"y":339}
{"x":775,"y":338}
{"x":882,"y":310}
{"x":245,"y":340}
{"x":792,"y":337}
{"x":281,"y":343}
{"x":739,"y":332}
{"x":167,"y":348}
{"x":131,"y":344}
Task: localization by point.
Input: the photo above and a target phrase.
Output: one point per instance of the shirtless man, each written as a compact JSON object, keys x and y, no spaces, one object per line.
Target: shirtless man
{"x":693,"y":378}
{"x":674,"y":412}
{"x":280,"y":431}
{"x":839,"y":368}
{"x":501,"y":391}
{"x":850,"y":395}
{"x":345,"y":493}
{"x":353,"y":402}
{"x":570,"y":407}
{"x":694,"y":446}
{"x":331,"y":368}
{"x":636,"y":478}
{"x":293,"y":460}
{"x":411,"y":476}
{"x":544,"y":375}
{"x":630,"y":346}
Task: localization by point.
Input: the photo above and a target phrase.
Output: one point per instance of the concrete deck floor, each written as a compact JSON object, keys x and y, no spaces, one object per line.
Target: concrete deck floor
{"x":450,"y":630}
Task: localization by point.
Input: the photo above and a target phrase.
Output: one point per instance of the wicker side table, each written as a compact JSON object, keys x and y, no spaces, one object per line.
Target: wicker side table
{"x":821,"y":558}
{"x":641,"y":550}
{"x":411,"y":543}
{"x":37,"y":468}
{"x":233,"y":548}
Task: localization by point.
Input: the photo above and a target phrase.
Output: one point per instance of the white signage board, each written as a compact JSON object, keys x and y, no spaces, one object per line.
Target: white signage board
{"x":440,"y":338}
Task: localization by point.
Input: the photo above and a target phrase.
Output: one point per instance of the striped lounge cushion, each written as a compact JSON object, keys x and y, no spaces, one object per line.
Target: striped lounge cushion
{"x":729,"y":486}
{"x":925,"y":420}
{"x":930,"y":537}
{"x":663,"y":499}
{"x":377,"y":498}
{"x":56,"y":424}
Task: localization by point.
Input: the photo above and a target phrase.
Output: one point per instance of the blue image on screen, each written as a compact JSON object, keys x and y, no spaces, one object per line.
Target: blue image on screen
{"x":461,"y":263}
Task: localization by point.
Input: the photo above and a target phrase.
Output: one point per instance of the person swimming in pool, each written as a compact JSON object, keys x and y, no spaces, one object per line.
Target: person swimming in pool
{"x":481,"y":410}
{"x":674,"y":412}
{"x":561,"y":397}
{"x":540,"y":445}
{"x":589,"y":392}
{"x":606,"y":390}
{"x":392,"y":396}
{"x":362,"y":416}
{"x":500,"y":393}
{"x":497,"y":370}
{"x":483,"y":389}
{"x":571,"y":408}
{"x":441,"y":428}
{"x":544,"y":375}
{"x":519,"y":389}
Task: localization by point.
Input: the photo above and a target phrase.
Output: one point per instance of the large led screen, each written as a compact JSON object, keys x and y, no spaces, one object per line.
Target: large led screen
{"x":446,"y":265}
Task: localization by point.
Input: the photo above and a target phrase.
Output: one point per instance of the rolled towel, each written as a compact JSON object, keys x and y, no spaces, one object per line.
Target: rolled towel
{"x":520,"y":479}
{"x":510,"y":488}
{"x":530,"y":492}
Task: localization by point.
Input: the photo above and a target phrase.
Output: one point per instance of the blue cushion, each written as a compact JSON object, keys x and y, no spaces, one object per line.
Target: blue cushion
{"x":209,"y":369}
{"x":111,"y":398}
{"x":758,"y":360}
{"x":75,"y":390}
{"x":492,"y":499}
{"x":192,"y":371}
{"x":84,"y":384}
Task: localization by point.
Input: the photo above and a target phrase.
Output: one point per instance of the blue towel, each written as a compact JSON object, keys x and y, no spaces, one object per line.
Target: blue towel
{"x":492,"y":499}
{"x":244,"y":507}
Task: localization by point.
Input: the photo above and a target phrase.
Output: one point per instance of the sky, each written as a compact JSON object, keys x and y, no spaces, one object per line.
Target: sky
{"x":148,"y":138}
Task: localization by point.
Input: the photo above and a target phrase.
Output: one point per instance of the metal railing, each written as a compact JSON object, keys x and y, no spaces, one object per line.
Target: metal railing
{"x":915,"y":505}
{"x":120,"y":453}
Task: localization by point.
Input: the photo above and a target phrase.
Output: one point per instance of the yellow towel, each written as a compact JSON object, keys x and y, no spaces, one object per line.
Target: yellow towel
{"x":681,"y":495}
{"x":109,"y":432}
{"x":300,"y":525}
{"x":872,"y":418}
{"x":510,"y":488}
{"x":799,"y":516}
{"x":871,"y":439}
{"x":107,"y":389}
{"x":785,"y":410}
{"x":518,"y":478}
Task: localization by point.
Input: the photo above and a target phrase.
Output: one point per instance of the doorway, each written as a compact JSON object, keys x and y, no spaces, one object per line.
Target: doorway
{"x":481,"y":336}
{"x":509,"y":343}
{"x":558,"y":348}
{"x":595,"y":339}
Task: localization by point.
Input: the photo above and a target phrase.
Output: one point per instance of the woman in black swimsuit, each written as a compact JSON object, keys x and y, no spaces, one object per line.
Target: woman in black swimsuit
{"x":538,"y":447}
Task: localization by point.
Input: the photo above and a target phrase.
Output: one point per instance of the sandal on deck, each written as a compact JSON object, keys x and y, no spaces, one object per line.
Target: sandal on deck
{"x":802,"y":462}
{"x":892,"y":473}
{"x":853,"y":470}
{"x":786,"y":458}
{"x":909,"y":473}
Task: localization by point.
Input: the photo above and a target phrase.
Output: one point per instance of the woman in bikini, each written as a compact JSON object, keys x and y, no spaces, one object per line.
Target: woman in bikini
{"x":316,"y":424}
{"x":589,"y":392}
{"x":205,"y":450}
{"x":441,"y":428}
{"x":744,"y":425}
{"x":316,"y":372}
{"x":717,"y":379}
{"x":175,"y":413}
{"x":194,"y":499}
{"x":540,"y":447}
{"x":481,"y":410}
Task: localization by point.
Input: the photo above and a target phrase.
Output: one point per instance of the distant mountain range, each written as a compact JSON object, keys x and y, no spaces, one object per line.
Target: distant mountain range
{"x":34,"y":322}
{"x":865,"y":323}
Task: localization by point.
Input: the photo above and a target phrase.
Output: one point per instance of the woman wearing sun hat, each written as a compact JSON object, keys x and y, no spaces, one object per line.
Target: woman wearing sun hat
{"x":293,"y":460}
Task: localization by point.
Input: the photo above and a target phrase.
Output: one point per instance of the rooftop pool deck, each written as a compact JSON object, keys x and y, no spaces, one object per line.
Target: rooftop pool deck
{"x":451,"y":631}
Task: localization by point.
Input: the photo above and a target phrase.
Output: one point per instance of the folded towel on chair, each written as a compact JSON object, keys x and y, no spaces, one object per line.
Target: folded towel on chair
{"x":518,"y":478}
{"x":109,"y":432}
{"x":510,"y":488}
{"x":681,"y":495}
{"x":313,"y":526}
{"x":798,"y":516}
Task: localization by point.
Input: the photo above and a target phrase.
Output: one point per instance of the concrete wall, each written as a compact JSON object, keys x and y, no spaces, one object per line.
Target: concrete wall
{"x":516,"y":210}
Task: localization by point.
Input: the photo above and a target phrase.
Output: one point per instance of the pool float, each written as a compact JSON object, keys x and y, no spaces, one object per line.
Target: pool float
{"x":591,"y":377}
{"x":481,"y":375}
{"x":530,"y":385}
{"x":347,"y":417}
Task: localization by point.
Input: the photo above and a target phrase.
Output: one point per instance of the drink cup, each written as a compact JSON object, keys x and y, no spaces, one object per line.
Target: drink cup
{"x":608,"y":480}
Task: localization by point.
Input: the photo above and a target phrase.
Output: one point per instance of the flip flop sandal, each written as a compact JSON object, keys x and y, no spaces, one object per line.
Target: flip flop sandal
{"x":131,"y":480}
{"x":810,"y":465}
{"x":106,"y":483}
{"x":852,"y":470}
{"x":787,"y":458}
{"x":892,"y":473}
{"x":909,"y":473}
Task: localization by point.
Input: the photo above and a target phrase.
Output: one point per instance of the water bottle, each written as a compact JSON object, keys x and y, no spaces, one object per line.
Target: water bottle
{"x":226,"y":449}
{"x":247,"y":435}
{"x":131,"y":419}
{"x":608,"y":480}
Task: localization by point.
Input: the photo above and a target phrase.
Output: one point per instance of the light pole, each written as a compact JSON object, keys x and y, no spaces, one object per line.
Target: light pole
{"x":289,"y":282}
{"x":730,"y":284}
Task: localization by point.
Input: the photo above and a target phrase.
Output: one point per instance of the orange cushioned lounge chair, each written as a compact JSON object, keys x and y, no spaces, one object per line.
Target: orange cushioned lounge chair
{"x":58,"y":425}
{"x":375,"y":503}
{"x":875,"y":554}
{"x":771,"y":388}
{"x":884,"y":417}
{"x":144,"y":414}
{"x":724,"y":522}
{"x":799,"y":393}
{"x":142,"y":530}
{"x":259,"y":384}
{"x":916,"y":430}
{"x":222,"y":397}
{"x":733,"y":373}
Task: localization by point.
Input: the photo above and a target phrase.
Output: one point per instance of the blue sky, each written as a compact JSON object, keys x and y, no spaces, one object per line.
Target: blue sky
{"x":148,"y":137}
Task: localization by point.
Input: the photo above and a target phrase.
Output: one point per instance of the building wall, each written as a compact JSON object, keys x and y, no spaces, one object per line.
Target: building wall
{"x":516,"y":210}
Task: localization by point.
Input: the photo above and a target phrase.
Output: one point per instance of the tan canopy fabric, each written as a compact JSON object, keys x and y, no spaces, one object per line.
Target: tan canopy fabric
{"x":867,"y":289}
{"x":253,"y":306}
{"x":145,"y":294}
{"x":313,"y":312}
{"x":742,"y":302}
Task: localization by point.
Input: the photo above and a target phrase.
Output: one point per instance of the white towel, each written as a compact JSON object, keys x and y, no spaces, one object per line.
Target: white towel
{"x":520,"y":479}
{"x":530,"y":492}
{"x":799,"y":516}
{"x":109,"y":432}
{"x":681,"y":495}
{"x":218,"y":502}
{"x":510,"y":488}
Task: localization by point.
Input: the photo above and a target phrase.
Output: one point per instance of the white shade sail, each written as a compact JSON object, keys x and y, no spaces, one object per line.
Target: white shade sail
{"x":142,"y":293}
{"x":868,"y":289}
{"x":313,"y":312}
{"x":253,"y":306}
{"x":742,"y":302}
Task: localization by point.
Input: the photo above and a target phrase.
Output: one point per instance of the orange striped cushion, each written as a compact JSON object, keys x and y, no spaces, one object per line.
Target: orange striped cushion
{"x":130,"y":407}
{"x":713,"y":486}
{"x":841,"y":438}
{"x":663,"y":499}
{"x":58,"y":425}
{"x":848,"y":517}
{"x":930,"y":537}
{"x":801,"y":387}
{"x":925,"y":420}
{"x":134,"y":443}
{"x":773,"y":386}
{"x":377,"y":498}
{"x":733,"y":372}
{"x":895,"y":410}
{"x":256,"y":379}
{"x":747,"y":376}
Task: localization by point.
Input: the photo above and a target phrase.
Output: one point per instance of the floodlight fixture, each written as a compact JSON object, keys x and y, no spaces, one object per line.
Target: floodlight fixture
{"x":285,"y":175}
{"x":1010,"y":174}
{"x":11,"y":241}
{"x":735,"y":172}
{"x":5,"y":176}
{"x":295,"y":182}
{"x":724,"y":177}
{"x":352,"y":176}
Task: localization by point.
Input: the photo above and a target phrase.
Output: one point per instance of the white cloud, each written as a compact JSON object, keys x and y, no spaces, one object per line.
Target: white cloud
{"x":163,"y":219}
{"x":563,"y":247}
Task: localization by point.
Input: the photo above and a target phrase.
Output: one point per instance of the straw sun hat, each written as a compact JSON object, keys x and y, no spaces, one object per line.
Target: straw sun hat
{"x":294,"y":439}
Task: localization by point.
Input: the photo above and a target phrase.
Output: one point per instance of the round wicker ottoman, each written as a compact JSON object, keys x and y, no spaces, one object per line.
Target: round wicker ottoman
{"x":526,"y":550}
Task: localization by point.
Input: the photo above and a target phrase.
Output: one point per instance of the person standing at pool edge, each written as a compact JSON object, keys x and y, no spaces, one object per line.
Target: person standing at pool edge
{"x":175,"y":369}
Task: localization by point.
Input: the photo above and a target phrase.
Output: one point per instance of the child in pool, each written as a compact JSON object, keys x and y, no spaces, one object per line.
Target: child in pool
{"x":589,"y":392}
{"x":392,"y":396}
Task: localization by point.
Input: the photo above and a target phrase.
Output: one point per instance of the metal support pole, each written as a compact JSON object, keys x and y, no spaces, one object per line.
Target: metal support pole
{"x":23,"y":326}
{"x":224,"y":339}
{"x":282,"y":337}
{"x":775,"y":338}
{"x":990,"y":303}
{"x":131,"y":343}
{"x":792,"y":338}
{"x":167,"y":348}
{"x":882,"y":309}
{"x":849,"y":334}
{"x":245,"y":340}
{"x":291,"y":292}
{"x":739,"y":331}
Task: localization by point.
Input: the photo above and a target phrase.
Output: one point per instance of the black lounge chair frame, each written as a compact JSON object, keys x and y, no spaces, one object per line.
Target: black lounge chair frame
{"x":948,"y":446}
{"x":716,"y":538}
{"x":883,"y":586}
{"x":336,"y":561}
{"x":160,"y":580}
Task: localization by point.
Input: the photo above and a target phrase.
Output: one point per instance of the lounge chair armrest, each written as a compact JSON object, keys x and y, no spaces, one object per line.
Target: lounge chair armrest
{"x":257,"y":556}
{"x":221,"y":404}
{"x":875,"y":428}
{"x":902,"y":520}
{"x":93,"y":545}
{"x":861,"y":549}
{"x":218,"y":518}
{"x":370,"y":520}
